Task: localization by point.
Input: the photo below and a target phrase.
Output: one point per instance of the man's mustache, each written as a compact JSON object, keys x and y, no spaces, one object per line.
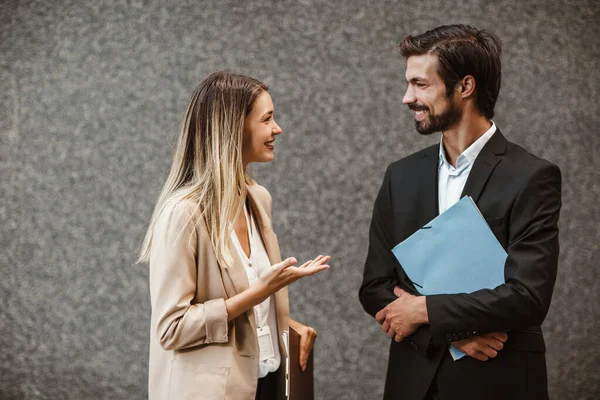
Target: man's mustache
{"x":418,"y":107}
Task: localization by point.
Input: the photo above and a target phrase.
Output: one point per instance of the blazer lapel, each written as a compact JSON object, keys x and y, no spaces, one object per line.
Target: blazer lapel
{"x":236,"y":271}
{"x":428,"y":185}
{"x":272,"y":247}
{"x":264,"y":225}
{"x":484,"y":165}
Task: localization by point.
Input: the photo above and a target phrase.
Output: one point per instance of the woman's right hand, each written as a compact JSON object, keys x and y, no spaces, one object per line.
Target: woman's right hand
{"x":284,"y":273}
{"x":270,"y":281}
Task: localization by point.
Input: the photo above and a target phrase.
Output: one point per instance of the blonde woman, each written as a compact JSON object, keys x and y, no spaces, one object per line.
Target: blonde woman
{"x":218,"y":287}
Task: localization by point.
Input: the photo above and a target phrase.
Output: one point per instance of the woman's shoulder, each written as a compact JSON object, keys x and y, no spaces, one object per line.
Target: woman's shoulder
{"x":180,"y":212}
{"x":261,"y":194}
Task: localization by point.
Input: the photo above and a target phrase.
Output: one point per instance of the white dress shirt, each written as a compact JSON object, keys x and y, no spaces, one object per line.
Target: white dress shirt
{"x":452,"y":180}
{"x":264,"y":312}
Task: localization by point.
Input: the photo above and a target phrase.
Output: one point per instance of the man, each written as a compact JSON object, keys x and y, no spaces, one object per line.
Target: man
{"x":453,"y":75}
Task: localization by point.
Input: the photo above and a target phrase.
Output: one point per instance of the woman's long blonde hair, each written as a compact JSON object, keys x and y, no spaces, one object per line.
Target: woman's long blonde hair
{"x":207,"y":165}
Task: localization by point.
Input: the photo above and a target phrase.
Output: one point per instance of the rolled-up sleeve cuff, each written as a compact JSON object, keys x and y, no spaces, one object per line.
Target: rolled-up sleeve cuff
{"x":216,"y":321}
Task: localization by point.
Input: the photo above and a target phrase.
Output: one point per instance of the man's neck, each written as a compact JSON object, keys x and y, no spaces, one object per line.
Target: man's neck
{"x":457,"y":139}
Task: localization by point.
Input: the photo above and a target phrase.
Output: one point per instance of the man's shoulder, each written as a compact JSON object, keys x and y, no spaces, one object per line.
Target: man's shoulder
{"x":414,"y":158}
{"x":524,"y":161}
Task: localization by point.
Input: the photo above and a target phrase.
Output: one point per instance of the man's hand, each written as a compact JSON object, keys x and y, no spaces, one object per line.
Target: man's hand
{"x":307,"y":341}
{"x":403,"y":316}
{"x":482,"y":347}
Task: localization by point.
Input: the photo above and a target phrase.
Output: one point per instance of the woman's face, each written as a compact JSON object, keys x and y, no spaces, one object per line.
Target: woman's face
{"x":260,"y":130}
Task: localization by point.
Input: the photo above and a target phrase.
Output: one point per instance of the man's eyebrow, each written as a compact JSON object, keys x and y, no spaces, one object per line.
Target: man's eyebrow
{"x":416,"y":79}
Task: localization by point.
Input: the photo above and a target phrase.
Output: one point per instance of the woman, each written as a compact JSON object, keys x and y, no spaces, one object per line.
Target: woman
{"x":218,"y":286}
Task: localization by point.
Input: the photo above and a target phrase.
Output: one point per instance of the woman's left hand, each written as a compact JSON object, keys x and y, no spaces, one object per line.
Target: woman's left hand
{"x":307,"y":341}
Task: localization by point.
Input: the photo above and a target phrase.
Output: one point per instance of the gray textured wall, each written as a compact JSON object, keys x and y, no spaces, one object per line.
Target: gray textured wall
{"x":91,"y":95}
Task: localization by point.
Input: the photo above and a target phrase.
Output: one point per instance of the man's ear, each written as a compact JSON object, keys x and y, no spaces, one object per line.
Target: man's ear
{"x":466,"y":86}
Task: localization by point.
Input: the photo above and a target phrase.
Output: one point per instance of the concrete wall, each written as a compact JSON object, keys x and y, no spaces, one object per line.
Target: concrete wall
{"x":91,"y":96}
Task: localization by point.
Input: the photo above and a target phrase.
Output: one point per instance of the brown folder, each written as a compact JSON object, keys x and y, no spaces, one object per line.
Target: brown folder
{"x":302,"y":385}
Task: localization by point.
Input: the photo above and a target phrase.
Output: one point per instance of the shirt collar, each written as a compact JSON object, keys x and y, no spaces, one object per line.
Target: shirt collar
{"x":470,"y":154}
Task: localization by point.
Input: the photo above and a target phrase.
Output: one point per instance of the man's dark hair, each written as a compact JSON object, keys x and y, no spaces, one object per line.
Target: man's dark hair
{"x":462,"y":50}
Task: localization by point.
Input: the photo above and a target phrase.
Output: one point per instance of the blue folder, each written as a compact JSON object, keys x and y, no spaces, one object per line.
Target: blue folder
{"x":454,"y":253}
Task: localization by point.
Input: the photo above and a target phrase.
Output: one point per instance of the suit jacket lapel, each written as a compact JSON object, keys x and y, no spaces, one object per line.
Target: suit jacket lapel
{"x":428,"y":185}
{"x":483,"y":166}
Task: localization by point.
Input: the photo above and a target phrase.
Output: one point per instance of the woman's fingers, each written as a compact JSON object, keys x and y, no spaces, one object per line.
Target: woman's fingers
{"x":308,"y":271}
{"x":317,"y":262}
{"x":320,"y":260}
{"x":311,"y":262}
{"x":288,"y":262}
{"x":307,"y":340}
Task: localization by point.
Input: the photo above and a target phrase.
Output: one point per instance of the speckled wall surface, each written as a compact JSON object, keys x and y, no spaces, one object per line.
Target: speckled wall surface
{"x":91,"y":95}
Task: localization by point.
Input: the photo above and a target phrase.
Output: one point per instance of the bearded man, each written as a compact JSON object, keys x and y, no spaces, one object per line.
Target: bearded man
{"x":453,"y":75}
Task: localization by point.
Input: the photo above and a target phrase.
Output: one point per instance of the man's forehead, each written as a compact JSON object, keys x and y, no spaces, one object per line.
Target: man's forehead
{"x":421,"y":66}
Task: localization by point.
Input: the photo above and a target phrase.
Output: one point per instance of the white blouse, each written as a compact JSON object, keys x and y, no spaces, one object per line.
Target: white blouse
{"x":265,"y":313}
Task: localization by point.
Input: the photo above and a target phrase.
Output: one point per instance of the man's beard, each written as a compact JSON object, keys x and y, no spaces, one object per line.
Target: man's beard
{"x":436,"y":123}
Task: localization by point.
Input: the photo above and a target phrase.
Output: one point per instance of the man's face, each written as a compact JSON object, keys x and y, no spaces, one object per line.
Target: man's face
{"x":426,"y":95}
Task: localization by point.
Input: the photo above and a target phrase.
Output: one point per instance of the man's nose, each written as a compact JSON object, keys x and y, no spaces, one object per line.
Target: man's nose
{"x":409,"y":96}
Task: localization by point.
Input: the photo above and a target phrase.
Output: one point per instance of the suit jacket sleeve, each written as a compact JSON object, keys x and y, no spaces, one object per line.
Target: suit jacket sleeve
{"x":178,"y":321}
{"x":382,"y":271}
{"x":530,"y":269}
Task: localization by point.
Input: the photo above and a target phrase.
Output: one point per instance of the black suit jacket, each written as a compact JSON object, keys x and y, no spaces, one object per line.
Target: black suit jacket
{"x":519,"y":196}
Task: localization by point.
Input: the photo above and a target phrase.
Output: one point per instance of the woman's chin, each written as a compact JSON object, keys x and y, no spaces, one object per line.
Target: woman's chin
{"x":268,"y":157}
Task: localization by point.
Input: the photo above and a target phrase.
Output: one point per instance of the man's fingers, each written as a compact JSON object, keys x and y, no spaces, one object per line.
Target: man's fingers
{"x":495,"y":344}
{"x":380,"y":316}
{"x":488,"y":351}
{"x":385,"y":327}
{"x":398,"y":291}
{"x":480,"y":356}
{"x":501,"y":336}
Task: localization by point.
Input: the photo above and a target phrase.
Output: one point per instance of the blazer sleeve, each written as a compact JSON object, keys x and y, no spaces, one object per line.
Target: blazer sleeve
{"x":382,"y":271}
{"x":180,"y":323}
{"x":530,"y":269}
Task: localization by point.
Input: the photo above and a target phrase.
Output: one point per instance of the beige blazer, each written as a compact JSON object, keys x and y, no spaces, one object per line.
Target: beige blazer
{"x":194,"y":352}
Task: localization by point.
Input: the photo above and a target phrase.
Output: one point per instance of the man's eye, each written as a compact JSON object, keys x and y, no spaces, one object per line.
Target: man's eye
{"x":420,"y":85}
